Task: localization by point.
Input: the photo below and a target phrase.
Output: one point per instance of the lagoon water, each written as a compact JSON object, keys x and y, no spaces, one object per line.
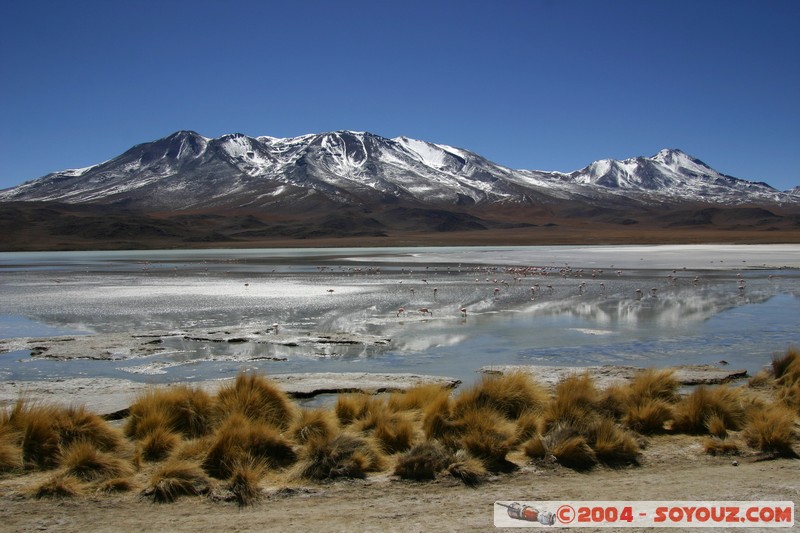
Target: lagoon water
{"x":551,"y":305}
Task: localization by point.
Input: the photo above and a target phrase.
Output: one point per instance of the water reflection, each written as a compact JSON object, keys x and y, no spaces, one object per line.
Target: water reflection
{"x":550,"y":314}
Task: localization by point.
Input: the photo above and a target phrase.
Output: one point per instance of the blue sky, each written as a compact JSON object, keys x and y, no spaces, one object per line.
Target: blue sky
{"x":537,"y":84}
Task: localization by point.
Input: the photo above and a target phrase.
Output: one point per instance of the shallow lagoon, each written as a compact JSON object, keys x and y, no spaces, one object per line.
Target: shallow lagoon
{"x":554,"y":305}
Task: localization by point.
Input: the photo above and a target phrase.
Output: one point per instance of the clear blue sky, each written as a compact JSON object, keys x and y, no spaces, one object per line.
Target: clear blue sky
{"x":536,"y":84}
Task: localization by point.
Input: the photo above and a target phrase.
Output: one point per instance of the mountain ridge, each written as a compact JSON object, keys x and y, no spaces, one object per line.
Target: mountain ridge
{"x":235,"y":170}
{"x":235,"y":190}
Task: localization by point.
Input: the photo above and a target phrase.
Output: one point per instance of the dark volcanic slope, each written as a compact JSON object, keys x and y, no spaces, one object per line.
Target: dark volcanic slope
{"x":186,"y":189}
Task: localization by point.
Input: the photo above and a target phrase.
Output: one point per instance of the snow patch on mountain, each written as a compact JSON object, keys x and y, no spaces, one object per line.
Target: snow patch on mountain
{"x":188,"y":170}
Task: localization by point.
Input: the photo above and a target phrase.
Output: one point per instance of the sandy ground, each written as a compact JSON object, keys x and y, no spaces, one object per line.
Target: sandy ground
{"x":673,"y":468}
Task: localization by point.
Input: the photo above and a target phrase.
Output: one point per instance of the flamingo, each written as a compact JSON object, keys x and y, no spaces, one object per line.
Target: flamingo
{"x":464,"y":312}
{"x":401,"y":311}
{"x":425,"y":311}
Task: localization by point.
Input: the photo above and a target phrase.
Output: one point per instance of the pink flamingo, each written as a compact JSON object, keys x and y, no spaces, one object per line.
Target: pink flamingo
{"x":425,"y":311}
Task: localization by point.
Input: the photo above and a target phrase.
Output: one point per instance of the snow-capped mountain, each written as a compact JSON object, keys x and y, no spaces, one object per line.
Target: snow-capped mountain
{"x":188,"y":171}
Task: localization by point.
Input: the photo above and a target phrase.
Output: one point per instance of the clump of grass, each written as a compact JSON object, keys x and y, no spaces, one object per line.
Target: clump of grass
{"x":41,"y":443}
{"x":10,"y":453}
{"x":244,"y":480}
{"x":535,"y":447}
{"x":692,"y":412}
{"x":528,"y":424}
{"x":177,"y":478}
{"x":423,"y":461}
{"x":575,"y":403}
{"x":771,"y":430}
{"x":790,"y":395}
{"x":84,"y":461}
{"x":715,"y":424}
{"x":786,"y":367}
{"x":180,"y":408}
{"x":343,"y":456}
{"x":510,"y":394}
{"x":314,"y":423}
{"x":763,"y":379}
{"x":59,"y":486}
{"x":570,"y":448}
{"x":193,"y":449}
{"x":437,"y":422}
{"x":720,"y":446}
{"x":117,"y":484}
{"x":467,"y":468}
{"x":654,"y":384}
{"x":648,"y":416}
{"x":417,"y":398}
{"x":488,"y":436}
{"x":158,"y":444}
{"x":240,"y":439}
{"x":256,"y":398}
{"x":75,"y":424}
{"x":615,"y":400}
{"x":612,"y":445}
{"x":352,"y":407}
{"x":393,"y":431}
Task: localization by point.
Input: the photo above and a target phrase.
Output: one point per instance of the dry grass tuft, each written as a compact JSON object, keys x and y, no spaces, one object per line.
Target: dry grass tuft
{"x":84,"y":461}
{"x":648,"y":416}
{"x":417,"y":398}
{"x":528,"y":424}
{"x":244,"y":481}
{"x":437,"y":420}
{"x":771,"y":430}
{"x":468,"y":469}
{"x":181,"y":409}
{"x":177,"y":478}
{"x":352,"y":407}
{"x":576,"y":403}
{"x":77,"y":424}
{"x":256,"y":398}
{"x":423,"y":462}
{"x":117,"y":484}
{"x":488,"y":436}
{"x":719,"y":446}
{"x":786,"y":367}
{"x":762,"y":380}
{"x":535,"y":447}
{"x":59,"y":486}
{"x":510,"y":394}
{"x":692,"y":412}
{"x":10,"y":453}
{"x":615,"y":400}
{"x":194,"y":450}
{"x":654,"y":384}
{"x":41,"y":443}
{"x":570,"y":448}
{"x":612,"y":445}
{"x":715,"y":425}
{"x":240,"y":439}
{"x":314,"y":423}
{"x":158,"y":444}
{"x":344,"y":456}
